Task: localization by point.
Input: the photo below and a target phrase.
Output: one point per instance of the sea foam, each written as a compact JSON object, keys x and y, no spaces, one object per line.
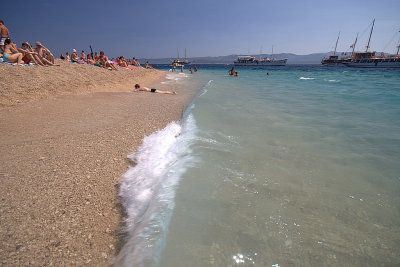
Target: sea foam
{"x":175,"y":77}
{"x":147,"y":191}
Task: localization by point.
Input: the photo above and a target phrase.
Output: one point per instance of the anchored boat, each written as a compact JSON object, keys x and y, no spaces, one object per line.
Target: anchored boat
{"x":252,"y":61}
{"x":334,"y":60}
{"x":369,"y":59}
{"x":178,"y":62}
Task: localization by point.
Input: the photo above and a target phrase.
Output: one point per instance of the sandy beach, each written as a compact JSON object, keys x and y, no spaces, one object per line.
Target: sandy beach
{"x":65,"y":135}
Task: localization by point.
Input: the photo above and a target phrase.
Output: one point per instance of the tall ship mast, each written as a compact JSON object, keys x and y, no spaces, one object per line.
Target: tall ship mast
{"x":370,"y":34}
{"x":333,"y":60}
{"x":179,"y":62}
{"x":354,"y":45}
{"x":368,"y":59}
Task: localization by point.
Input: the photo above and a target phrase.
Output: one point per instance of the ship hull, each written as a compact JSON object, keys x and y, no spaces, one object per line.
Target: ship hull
{"x":333,"y":63}
{"x":374,"y":64}
{"x":281,"y":62}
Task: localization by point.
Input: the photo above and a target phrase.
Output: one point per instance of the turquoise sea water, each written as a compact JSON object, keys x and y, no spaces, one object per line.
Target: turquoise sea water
{"x":296,"y":168}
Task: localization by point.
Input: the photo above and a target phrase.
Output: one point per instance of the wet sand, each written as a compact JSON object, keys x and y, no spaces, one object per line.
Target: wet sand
{"x":64,"y":148}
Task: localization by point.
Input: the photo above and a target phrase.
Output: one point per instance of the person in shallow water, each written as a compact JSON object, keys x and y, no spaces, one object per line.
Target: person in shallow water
{"x":232,"y":71}
{"x":153,"y":90}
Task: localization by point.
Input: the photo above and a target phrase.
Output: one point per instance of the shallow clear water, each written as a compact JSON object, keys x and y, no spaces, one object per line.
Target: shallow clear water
{"x":298,"y":167}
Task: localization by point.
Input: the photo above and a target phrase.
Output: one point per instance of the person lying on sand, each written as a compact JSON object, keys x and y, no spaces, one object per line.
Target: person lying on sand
{"x":139,"y":88}
{"x":29,"y":55}
{"x":11,"y":54}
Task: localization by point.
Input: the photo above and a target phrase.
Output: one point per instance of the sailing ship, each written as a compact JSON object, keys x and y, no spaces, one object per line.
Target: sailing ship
{"x":178,"y":62}
{"x":252,"y":61}
{"x":369,"y":59}
{"x":334,"y":60}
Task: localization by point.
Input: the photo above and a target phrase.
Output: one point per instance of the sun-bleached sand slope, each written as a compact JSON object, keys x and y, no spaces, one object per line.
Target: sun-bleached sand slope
{"x":65,"y":134}
{"x":21,"y":84}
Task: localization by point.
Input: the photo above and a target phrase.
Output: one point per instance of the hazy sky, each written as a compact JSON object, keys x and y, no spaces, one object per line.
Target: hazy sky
{"x":157,"y":28}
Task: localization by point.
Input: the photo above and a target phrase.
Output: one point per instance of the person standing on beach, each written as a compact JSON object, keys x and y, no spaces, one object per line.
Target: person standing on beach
{"x":195,"y":68}
{"x":4,"y":34}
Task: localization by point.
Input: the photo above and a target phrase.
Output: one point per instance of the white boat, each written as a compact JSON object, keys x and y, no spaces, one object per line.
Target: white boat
{"x":368,"y":59}
{"x":178,"y":62}
{"x":252,"y":61}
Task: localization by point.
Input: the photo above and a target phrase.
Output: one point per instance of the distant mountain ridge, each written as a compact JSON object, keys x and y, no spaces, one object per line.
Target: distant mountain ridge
{"x":314,"y":58}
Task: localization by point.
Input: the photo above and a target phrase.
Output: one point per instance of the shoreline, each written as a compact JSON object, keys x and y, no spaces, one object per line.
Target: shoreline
{"x":63,"y":156}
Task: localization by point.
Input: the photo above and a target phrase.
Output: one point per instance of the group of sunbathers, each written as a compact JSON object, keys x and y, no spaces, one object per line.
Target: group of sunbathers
{"x":96,"y":59}
{"x":100,"y":60}
{"x":40,"y":55}
{"x":24,"y":55}
{"x":27,"y":54}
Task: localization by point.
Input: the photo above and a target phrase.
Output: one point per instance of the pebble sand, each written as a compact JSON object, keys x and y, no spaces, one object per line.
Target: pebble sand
{"x":64,"y":147}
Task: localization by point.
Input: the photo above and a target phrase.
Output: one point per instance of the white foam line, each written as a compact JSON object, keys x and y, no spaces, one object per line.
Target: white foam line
{"x":148,"y":190}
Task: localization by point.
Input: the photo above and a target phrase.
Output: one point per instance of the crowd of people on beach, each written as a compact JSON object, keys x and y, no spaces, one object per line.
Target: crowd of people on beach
{"x":26,"y":54}
{"x":40,"y":55}
{"x":100,"y":60}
